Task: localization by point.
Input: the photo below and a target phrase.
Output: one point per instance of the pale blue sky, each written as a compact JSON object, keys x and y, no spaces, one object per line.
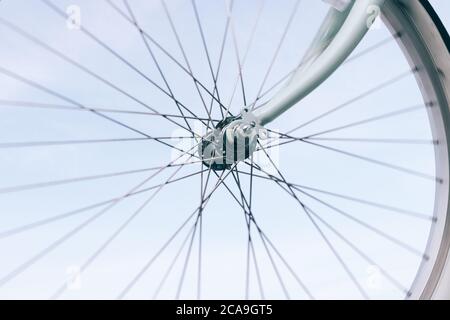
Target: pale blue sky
{"x":224,"y":233}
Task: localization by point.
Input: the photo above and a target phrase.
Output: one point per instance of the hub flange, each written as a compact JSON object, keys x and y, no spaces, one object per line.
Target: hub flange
{"x":234,"y":139}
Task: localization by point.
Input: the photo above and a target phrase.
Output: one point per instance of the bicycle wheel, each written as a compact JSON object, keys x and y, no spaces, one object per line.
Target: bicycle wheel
{"x":104,"y":192}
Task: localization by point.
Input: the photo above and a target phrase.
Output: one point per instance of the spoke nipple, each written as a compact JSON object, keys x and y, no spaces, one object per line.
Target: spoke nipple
{"x":430,"y":104}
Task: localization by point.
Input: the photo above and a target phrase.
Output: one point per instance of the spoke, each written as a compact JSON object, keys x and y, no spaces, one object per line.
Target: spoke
{"x":10,"y":145}
{"x":270,"y":177}
{"x":118,"y":56}
{"x":370,"y":120}
{"x":247,"y":50}
{"x":269,"y":146}
{"x":116,"y":233}
{"x":158,"y":66}
{"x":86,"y":178}
{"x":358,"y":140}
{"x":277,"y":51}
{"x":188,"y":72}
{"x":375,"y":230}
{"x":274,"y":265}
{"x":377,"y":162}
{"x":188,"y":255}
{"x":272,"y":87}
{"x":335,"y":252}
{"x":352,"y":218}
{"x":249,"y":240}
{"x":200,"y":236}
{"x":369,"y":203}
{"x":251,"y":185}
{"x":43,"y":222}
{"x":381,"y":233}
{"x":41,"y":254}
{"x":133,"y":282}
{"x":251,"y":218}
{"x":24,"y":266}
{"x":280,"y":256}
{"x":374,"y":47}
{"x":81,"y":106}
{"x":385,"y":116}
{"x":247,"y":268}
{"x":383,"y":141}
{"x":205,"y":47}
{"x":357,"y":156}
{"x":257,"y":271}
{"x":222,"y":50}
{"x":264,"y":237}
{"x":196,"y":225}
{"x":237,"y":54}
{"x":172,"y":264}
{"x":72,"y":62}
{"x":186,"y":60}
{"x":357,"y":98}
{"x":319,"y":230}
{"x":34,"y":105}
{"x":249,"y":230}
{"x":379,"y":205}
{"x":112,"y":201}
{"x":250,"y":246}
{"x":361,"y":253}
{"x":150,"y":262}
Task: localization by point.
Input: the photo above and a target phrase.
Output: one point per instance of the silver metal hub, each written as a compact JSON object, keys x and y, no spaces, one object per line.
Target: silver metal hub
{"x":234,"y":139}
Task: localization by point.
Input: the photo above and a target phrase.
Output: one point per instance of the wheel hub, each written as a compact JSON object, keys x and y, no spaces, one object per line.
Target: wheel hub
{"x":234,"y":139}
